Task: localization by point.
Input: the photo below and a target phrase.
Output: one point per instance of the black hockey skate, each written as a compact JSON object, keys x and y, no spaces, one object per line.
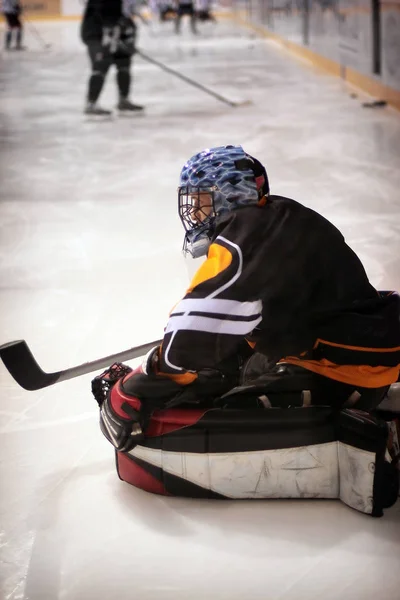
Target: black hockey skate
{"x":97,"y":111}
{"x":126,"y":106}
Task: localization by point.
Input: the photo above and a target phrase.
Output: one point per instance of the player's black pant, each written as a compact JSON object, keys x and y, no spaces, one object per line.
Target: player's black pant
{"x":13,"y":22}
{"x":324,"y":391}
{"x":101,"y":61}
{"x":337,"y":394}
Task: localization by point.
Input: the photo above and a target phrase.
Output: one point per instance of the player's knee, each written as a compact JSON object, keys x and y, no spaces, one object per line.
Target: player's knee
{"x":99,"y":73}
{"x":123,"y":69}
{"x":122,"y":63}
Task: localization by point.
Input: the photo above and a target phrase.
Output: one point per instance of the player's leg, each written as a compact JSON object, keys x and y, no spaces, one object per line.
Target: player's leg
{"x":279,"y":379}
{"x":19,"y":33}
{"x":343,"y":395}
{"x":124,"y":81}
{"x":100,"y":62}
{"x":178,"y":18}
{"x":10,"y":20}
{"x":193,"y":19}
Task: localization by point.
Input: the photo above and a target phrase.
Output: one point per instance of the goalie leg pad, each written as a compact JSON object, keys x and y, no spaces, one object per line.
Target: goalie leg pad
{"x":277,"y":453}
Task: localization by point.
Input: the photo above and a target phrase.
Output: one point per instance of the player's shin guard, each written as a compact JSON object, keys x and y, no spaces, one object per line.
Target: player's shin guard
{"x":19,"y":38}
{"x":8,"y":37}
{"x":96,"y":83}
{"x":123,"y":82}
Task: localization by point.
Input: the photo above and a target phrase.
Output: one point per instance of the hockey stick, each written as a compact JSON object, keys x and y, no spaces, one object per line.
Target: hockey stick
{"x":21,"y":364}
{"x":37,"y":34}
{"x":191,"y":81}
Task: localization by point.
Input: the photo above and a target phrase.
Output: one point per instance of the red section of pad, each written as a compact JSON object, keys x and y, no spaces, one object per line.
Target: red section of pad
{"x":165,"y":421}
{"x":162,"y":421}
{"x":130,"y":472}
{"x":118,"y":397}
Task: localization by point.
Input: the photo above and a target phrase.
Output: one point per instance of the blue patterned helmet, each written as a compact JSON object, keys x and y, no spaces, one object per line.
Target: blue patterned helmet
{"x":213,"y":182}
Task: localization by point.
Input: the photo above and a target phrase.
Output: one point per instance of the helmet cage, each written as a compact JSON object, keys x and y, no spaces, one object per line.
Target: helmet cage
{"x":213,"y":182}
{"x":196,"y":206}
{"x":196,"y":209}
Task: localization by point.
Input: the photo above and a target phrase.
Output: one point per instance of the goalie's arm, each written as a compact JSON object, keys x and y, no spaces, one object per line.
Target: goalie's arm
{"x":211,"y":322}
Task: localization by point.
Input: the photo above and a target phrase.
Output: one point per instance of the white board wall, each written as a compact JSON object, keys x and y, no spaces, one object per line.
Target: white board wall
{"x":72,"y":8}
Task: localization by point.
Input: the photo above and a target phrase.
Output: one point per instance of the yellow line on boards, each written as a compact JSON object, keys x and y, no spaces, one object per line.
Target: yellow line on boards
{"x":366,"y":83}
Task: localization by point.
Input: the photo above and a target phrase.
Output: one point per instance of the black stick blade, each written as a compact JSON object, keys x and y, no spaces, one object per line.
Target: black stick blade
{"x":21,"y":364}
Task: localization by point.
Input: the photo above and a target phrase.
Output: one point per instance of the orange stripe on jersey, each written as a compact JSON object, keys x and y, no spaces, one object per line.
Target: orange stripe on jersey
{"x":180,"y":378}
{"x":218,"y":259}
{"x":358,"y":348}
{"x":362,"y":375}
{"x":251,"y":344}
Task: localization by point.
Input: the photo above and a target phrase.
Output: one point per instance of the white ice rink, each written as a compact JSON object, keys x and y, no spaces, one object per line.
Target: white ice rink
{"x":90,"y":264}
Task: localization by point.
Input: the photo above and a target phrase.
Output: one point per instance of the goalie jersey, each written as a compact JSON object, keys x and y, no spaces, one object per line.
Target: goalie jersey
{"x":282,"y":277}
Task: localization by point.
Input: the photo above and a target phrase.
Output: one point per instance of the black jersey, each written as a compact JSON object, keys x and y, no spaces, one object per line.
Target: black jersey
{"x":99,"y":14}
{"x":283,"y":277}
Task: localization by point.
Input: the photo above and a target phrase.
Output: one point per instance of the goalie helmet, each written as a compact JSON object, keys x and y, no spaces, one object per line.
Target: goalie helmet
{"x":213,"y":182}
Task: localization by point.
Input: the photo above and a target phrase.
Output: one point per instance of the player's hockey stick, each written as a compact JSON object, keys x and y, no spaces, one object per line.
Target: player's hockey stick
{"x":37,"y":34}
{"x":191,"y":81}
{"x":22,"y":365}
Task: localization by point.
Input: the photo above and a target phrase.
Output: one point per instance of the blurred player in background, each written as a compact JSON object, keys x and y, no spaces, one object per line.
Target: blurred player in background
{"x":133,"y":9}
{"x":110,"y":36}
{"x":204,"y":10}
{"x":185,"y":7}
{"x":165,"y":9}
{"x":12,"y":10}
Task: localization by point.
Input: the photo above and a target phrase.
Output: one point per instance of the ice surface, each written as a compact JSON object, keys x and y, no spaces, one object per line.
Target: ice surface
{"x":90,"y":264}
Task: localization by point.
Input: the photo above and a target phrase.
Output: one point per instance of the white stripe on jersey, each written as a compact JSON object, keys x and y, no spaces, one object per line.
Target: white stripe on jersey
{"x":210,"y":325}
{"x":171,"y":365}
{"x":216,"y":306}
{"x":234,"y":317}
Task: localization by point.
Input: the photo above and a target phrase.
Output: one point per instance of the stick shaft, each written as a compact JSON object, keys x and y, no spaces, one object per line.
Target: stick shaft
{"x":100,"y":363}
{"x":36,"y":32}
{"x":185,"y":78}
{"x":22,"y":365}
